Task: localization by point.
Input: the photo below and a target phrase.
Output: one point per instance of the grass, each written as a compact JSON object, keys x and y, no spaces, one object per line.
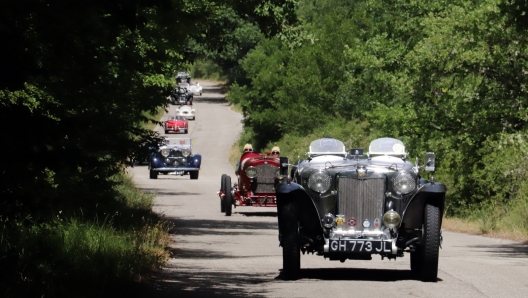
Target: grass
{"x":73,"y":254}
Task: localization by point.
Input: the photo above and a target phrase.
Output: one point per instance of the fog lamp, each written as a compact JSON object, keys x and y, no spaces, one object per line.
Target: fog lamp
{"x":329,"y":220}
{"x":391,"y":219}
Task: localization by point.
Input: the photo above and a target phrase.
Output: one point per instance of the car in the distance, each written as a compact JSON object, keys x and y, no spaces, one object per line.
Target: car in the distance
{"x":176,"y":124}
{"x":183,"y":77}
{"x":347,"y":205}
{"x":175,"y":157}
{"x":195,"y":88}
{"x":188,"y":112}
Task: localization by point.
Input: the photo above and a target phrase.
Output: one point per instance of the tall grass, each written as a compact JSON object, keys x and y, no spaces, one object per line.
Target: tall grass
{"x":73,"y":254}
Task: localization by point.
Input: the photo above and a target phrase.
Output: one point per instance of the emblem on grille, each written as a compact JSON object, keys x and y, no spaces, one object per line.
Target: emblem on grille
{"x":352,"y":222}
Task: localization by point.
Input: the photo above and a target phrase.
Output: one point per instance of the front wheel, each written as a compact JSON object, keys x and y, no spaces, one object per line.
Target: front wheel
{"x":194,"y":175}
{"x":424,"y":261}
{"x":291,"y":250}
{"x":153,"y":174}
{"x":228,"y":199}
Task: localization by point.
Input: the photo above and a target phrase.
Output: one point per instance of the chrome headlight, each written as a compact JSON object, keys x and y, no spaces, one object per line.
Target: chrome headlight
{"x":319,"y":181}
{"x":251,"y":172}
{"x":391,"y":219}
{"x":404,"y":182}
{"x":165,"y":152}
{"x":186,"y":152}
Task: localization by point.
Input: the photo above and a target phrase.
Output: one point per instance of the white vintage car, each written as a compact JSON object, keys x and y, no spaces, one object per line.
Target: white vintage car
{"x":186,"y":111}
{"x":195,"y":88}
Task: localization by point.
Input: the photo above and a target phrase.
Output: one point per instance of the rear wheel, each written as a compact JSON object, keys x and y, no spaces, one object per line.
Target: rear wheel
{"x":223,"y":191}
{"x":228,"y":199}
{"x":194,"y":175}
{"x":291,"y":250}
{"x":424,"y":261}
{"x":153,"y":174}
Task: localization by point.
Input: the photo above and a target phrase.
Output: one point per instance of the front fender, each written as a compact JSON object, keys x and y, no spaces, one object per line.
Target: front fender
{"x":431,"y":193}
{"x":309,"y":220}
{"x":196,"y":161}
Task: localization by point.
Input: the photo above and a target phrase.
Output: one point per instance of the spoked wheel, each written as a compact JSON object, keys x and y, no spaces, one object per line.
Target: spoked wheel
{"x":424,"y":261}
{"x":228,"y":199}
{"x":291,"y":249}
{"x":222,"y":190}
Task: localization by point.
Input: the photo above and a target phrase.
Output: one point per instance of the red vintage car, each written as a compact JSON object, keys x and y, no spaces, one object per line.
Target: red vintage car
{"x":176,"y":124}
{"x":258,"y":175}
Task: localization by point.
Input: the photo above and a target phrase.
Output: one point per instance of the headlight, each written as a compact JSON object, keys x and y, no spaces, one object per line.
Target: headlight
{"x":391,"y":219}
{"x":404,"y":182}
{"x":319,"y":181}
{"x":186,"y":152}
{"x":165,"y":152}
{"x":251,"y":172}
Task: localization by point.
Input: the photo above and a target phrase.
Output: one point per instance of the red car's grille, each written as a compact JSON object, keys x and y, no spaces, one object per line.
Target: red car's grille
{"x":265,"y":178}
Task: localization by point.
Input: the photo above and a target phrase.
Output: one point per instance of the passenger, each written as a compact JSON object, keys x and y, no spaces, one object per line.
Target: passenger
{"x":247,"y":148}
{"x":275,"y":152}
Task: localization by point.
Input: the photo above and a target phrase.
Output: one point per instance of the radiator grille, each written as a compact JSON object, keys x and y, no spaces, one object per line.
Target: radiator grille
{"x":265,"y":178}
{"x":361,"y":199}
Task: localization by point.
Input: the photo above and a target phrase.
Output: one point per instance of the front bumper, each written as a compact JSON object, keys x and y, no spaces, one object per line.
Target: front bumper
{"x":174,"y":169}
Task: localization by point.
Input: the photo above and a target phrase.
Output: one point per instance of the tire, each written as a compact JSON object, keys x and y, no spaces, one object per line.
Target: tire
{"x":186,"y":131}
{"x":291,"y":249}
{"x":228,"y":200}
{"x":153,"y":174}
{"x":194,"y":175}
{"x":222,"y":189}
{"x":424,"y":261}
{"x":166,"y":131}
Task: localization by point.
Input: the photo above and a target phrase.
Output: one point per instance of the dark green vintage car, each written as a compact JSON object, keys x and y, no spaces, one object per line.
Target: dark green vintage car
{"x":349,"y":205}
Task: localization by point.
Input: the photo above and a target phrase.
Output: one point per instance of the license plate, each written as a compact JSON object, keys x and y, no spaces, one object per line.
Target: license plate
{"x":179,"y":172}
{"x":360,"y":246}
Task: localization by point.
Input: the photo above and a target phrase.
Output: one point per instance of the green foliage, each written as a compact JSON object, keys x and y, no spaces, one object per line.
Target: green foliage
{"x":444,"y":76}
{"x":109,"y":246}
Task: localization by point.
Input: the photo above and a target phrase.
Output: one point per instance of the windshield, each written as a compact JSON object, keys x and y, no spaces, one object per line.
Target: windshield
{"x":327,"y":146}
{"x":387,"y":146}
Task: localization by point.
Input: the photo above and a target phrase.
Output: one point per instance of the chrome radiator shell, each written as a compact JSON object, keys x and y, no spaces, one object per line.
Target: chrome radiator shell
{"x":361,"y":199}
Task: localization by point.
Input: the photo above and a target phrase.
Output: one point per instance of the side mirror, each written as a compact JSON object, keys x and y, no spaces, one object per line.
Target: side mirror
{"x":283,"y":167}
{"x":429,"y":161}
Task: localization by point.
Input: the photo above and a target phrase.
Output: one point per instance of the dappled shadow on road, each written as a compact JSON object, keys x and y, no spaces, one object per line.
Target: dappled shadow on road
{"x":357,"y":274}
{"x":198,"y":282}
{"x":203,"y":227}
{"x":211,"y":100}
{"x":159,"y":192}
{"x":257,"y":214}
{"x":514,"y":250}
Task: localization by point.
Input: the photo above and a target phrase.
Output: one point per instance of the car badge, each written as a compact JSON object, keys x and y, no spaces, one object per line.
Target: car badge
{"x":352,"y":222}
{"x":340,"y":219}
{"x":362,"y":172}
{"x":377,"y":223}
{"x":265,"y":162}
{"x":366,"y":224}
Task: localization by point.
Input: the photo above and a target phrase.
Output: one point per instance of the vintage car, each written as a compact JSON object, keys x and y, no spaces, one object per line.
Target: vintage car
{"x":187,"y":112}
{"x":181,"y":96}
{"x":348,"y":205}
{"x":195,"y":88}
{"x":256,"y":180}
{"x":175,"y":157}
{"x":177,"y":124}
{"x":183,"y":77}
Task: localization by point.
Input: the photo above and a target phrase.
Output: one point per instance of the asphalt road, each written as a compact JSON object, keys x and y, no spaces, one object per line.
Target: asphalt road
{"x":219,"y":256}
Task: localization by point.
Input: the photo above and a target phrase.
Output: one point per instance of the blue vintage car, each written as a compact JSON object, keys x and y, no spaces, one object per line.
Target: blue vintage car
{"x":175,"y":157}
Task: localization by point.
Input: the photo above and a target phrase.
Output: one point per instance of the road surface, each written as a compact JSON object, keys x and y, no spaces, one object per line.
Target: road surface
{"x":218,"y":256}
